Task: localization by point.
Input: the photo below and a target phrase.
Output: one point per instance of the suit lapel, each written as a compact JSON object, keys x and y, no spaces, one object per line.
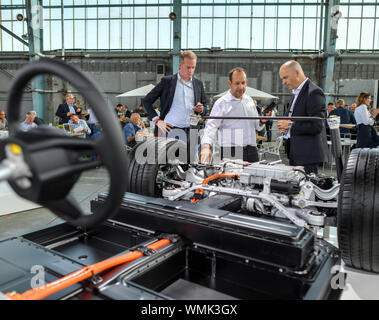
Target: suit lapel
{"x":195,"y":91}
{"x":172,"y":89}
{"x":300,"y":96}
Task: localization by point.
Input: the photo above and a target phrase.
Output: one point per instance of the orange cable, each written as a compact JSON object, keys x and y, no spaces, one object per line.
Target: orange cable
{"x":82,"y":274}
{"x":211,"y":178}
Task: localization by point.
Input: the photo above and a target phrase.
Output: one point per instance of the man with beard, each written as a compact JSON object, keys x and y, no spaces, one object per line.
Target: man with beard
{"x":233,"y":135}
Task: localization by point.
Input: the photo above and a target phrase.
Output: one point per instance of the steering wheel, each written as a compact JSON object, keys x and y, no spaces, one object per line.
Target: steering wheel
{"x":47,"y":162}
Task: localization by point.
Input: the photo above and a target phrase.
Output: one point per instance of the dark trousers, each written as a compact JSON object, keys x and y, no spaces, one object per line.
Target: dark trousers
{"x":308,"y":168}
{"x":249,"y":153}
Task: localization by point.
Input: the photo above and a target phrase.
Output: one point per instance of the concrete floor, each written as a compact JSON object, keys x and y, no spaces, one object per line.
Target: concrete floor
{"x":358,"y":285}
{"x":89,"y":185}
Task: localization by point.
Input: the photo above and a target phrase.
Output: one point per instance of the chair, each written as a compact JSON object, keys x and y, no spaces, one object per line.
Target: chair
{"x":272,"y":149}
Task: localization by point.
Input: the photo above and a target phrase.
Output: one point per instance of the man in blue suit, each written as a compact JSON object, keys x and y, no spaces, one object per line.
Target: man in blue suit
{"x":306,"y":140}
{"x":181,"y":95}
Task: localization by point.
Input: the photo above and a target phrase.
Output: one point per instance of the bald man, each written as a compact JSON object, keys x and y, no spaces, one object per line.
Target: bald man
{"x":305,"y":140}
{"x":65,"y":110}
{"x":131,"y":128}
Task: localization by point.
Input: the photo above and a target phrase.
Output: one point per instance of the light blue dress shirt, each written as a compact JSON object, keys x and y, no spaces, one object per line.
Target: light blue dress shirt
{"x":182,"y":104}
{"x":25,"y":126}
{"x":81,"y":124}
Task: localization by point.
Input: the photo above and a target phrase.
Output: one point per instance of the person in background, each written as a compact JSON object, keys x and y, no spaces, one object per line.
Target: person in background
{"x":366,"y":133}
{"x":29,"y":121}
{"x":3,"y":121}
{"x":346,"y":116}
{"x":353,"y":107}
{"x":331,"y":107}
{"x":65,"y":110}
{"x":127,"y":112}
{"x":269,"y":123}
{"x":120,"y":114}
{"x":93,"y":124}
{"x":80,"y":126}
{"x":37,"y":120}
{"x":141,"y":111}
{"x":78,"y":112}
{"x":131,"y":128}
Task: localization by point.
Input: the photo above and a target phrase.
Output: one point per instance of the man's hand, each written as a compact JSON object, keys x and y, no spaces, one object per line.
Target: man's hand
{"x":205,"y":154}
{"x":268,"y":114}
{"x":375,"y":112}
{"x":198,"y":108}
{"x":283,"y":125}
{"x":163,"y":126}
{"x":69,"y":114}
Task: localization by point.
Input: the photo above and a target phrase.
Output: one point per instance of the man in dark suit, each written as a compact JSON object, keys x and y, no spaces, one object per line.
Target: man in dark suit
{"x":65,"y":110}
{"x":306,"y":139}
{"x":180,"y":96}
{"x":346,"y":116}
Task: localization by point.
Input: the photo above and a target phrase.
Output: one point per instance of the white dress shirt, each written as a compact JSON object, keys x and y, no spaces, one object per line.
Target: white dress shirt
{"x":296,"y":92}
{"x":233,"y":132}
{"x":182,"y":104}
{"x":362,"y":115}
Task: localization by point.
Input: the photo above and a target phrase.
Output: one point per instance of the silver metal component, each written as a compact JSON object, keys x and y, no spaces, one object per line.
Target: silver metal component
{"x":183,"y":184}
{"x":95,"y":280}
{"x":171,"y":192}
{"x":334,"y":122}
{"x":6,"y":169}
{"x":325,"y":195}
{"x":304,"y":203}
{"x":61,"y":243}
{"x":254,"y":188}
{"x":313,"y":218}
{"x":256,"y":172}
{"x":192,"y":177}
{"x":14,"y":168}
{"x":255,"y":205}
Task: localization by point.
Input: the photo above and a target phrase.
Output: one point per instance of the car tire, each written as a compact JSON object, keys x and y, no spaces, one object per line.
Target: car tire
{"x":358,"y":211}
{"x":142,"y":176}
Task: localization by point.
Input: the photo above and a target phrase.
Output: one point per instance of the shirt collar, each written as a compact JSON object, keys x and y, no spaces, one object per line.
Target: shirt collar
{"x":180,"y":78}
{"x":297,"y":91}
{"x":230,"y":97}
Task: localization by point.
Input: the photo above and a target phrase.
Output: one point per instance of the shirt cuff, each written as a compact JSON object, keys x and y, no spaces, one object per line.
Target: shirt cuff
{"x":206,"y":140}
{"x":155,"y":118}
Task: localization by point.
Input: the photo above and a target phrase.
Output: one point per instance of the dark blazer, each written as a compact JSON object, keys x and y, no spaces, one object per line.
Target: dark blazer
{"x":165,"y":90}
{"x":366,"y":136}
{"x":62,"y":112}
{"x":308,"y":138}
{"x":347,"y":117}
